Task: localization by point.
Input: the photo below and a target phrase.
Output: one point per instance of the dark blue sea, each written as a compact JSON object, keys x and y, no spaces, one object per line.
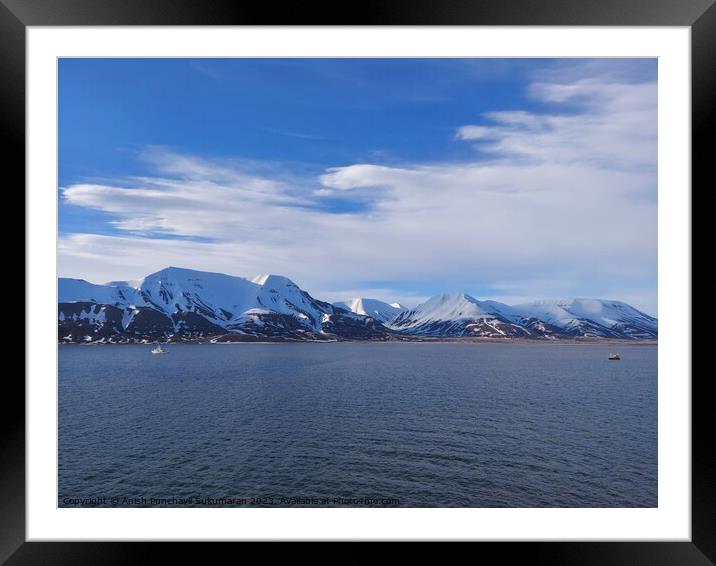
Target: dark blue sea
{"x":358,"y":424}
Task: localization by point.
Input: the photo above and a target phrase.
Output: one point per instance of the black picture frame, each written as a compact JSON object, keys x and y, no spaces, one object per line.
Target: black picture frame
{"x":16,"y":15}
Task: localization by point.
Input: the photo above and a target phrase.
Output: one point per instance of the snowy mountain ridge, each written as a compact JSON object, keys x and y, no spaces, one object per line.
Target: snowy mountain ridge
{"x":379,"y":310}
{"x":463,"y":315}
{"x":178,"y":303}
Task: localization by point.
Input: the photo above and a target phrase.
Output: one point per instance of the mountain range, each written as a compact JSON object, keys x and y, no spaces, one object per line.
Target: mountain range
{"x":177,"y":304}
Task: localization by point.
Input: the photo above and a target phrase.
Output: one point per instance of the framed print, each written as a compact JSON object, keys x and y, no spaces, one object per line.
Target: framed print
{"x":425,"y":275}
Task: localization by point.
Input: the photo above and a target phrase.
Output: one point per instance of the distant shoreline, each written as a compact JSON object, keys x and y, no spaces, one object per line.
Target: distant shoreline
{"x":415,"y":340}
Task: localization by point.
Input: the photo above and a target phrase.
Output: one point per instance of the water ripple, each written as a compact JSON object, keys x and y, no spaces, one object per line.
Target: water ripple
{"x":428,"y":425}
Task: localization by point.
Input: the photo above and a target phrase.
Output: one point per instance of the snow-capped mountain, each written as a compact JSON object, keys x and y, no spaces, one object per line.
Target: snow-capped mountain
{"x":177,"y":303}
{"x":379,"y":310}
{"x":185,"y":302}
{"x":463,"y":315}
{"x":459,"y":315}
{"x":593,"y":317}
{"x":73,"y":290}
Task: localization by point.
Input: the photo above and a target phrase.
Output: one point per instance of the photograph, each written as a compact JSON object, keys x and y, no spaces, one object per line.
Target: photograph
{"x":357,"y":282}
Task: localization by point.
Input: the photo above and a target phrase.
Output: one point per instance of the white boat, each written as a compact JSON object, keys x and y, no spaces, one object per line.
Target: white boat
{"x":159,"y":350}
{"x":614,"y":356}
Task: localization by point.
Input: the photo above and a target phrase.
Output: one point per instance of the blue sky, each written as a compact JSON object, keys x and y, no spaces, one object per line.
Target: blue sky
{"x":392,"y":178}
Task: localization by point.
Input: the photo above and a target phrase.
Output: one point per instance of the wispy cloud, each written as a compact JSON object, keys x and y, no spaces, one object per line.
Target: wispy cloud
{"x":560,"y":202}
{"x":292,"y":134}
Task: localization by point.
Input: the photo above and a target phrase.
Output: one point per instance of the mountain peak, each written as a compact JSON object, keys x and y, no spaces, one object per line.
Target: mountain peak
{"x":448,"y":297}
{"x":173,"y":271}
{"x":456,"y":306}
{"x":374,"y":308}
{"x":272,"y":280}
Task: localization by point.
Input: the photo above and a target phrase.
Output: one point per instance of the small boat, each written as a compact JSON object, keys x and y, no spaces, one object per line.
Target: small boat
{"x":159,"y":350}
{"x":614,"y":356}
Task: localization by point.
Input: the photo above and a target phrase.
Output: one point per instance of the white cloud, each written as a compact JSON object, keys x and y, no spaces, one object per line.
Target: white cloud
{"x":474,"y":133}
{"x":615,"y":127}
{"x":557,"y":203}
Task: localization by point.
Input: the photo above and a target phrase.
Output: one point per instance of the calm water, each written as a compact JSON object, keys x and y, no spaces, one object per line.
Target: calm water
{"x":416,"y":425}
